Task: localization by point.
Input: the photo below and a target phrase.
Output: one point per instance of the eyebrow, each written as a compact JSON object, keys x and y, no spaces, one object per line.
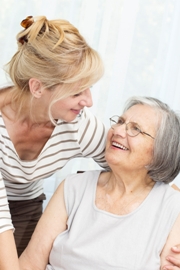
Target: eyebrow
{"x":129,"y":121}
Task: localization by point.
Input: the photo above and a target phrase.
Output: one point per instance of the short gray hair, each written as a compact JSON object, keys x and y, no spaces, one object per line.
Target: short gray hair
{"x":165,"y":164}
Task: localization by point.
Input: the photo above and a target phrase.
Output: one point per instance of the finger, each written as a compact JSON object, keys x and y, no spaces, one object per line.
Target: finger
{"x":175,"y":262}
{"x":176,"y":249}
{"x":170,"y":267}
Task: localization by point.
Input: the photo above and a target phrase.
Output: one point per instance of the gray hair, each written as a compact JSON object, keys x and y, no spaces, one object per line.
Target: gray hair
{"x":165,"y":164}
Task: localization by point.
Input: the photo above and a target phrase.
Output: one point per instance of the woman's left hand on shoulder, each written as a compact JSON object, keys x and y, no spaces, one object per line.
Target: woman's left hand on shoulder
{"x":173,"y":259}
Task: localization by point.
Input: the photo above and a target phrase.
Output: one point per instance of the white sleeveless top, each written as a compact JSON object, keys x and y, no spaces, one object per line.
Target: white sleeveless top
{"x":99,"y":240}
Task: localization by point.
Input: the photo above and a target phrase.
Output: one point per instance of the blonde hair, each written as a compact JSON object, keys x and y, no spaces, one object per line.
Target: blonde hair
{"x":54,"y":52}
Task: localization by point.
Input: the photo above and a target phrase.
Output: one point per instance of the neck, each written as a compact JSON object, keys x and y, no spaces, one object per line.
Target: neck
{"x":119,"y":195}
{"x":128,"y":184}
{"x":34,"y":114}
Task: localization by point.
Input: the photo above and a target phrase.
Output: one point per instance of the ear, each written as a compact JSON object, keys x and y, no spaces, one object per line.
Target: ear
{"x":35,"y":87}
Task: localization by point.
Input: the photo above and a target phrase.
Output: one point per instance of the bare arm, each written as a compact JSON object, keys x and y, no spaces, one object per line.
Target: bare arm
{"x":51,"y":224}
{"x":167,"y":253}
{"x":8,"y":253}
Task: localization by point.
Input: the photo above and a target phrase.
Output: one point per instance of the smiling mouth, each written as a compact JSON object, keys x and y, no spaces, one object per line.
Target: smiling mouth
{"x":76,"y":111}
{"x":120,"y":146}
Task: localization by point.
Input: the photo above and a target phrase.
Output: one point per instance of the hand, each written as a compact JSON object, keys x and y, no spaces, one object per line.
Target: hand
{"x":175,"y":263}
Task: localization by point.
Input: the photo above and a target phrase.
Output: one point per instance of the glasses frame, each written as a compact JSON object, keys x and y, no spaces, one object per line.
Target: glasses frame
{"x":126,"y":124}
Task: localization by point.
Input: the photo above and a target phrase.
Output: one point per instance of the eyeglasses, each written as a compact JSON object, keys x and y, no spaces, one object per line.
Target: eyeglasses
{"x":132,"y":128}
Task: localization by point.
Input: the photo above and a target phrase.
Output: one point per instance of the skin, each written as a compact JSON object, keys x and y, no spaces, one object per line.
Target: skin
{"x":114,"y":190}
{"x":36,"y":255}
{"x":173,"y":258}
{"x":168,"y":260}
{"x":144,"y":143}
{"x":175,"y":187}
{"x":122,"y":154}
{"x":8,"y":250}
{"x":72,"y":106}
{"x":66,"y":109}
{"x":118,"y":135}
{"x":172,"y":262}
{"x":30,"y":134}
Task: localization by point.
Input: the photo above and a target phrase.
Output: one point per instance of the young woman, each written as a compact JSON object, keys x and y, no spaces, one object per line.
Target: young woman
{"x":44,"y":121}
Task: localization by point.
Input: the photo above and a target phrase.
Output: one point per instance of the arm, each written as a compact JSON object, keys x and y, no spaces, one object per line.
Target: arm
{"x":50,"y":225}
{"x":8,"y":257}
{"x":8,"y":253}
{"x":169,"y":259}
{"x":5,"y":216}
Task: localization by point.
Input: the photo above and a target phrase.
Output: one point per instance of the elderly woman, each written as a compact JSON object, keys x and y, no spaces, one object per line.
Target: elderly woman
{"x":126,"y":218}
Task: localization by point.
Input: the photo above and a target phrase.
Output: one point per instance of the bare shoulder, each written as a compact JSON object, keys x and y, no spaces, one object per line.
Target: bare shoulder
{"x":172,"y":240}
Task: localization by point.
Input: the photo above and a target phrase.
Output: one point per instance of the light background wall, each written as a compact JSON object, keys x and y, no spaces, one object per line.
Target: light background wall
{"x":138,"y":40}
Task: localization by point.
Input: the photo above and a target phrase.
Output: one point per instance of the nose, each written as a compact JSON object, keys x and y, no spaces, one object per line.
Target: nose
{"x":86,"y":98}
{"x":120,"y":130}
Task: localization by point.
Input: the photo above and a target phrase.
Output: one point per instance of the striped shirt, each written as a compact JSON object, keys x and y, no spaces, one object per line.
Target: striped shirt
{"x":83,"y":137}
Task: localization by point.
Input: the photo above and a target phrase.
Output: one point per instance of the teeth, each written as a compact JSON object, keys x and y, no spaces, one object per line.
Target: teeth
{"x":119,"y":146}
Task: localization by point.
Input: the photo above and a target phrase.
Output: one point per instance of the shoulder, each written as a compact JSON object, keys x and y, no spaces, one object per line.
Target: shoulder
{"x":172,"y":200}
{"x":76,"y":186}
{"x":82,"y":179}
{"x":167,"y":199}
{"x":91,"y":126}
{"x":168,"y":193}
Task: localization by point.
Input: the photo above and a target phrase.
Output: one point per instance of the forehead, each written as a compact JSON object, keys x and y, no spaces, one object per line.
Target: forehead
{"x":144,"y":115}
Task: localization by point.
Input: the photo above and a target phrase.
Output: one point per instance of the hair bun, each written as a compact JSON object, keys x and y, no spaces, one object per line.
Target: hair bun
{"x":27,"y":22}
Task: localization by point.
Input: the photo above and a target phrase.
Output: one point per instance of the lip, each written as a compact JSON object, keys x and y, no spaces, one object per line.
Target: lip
{"x":76,"y":111}
{"x":119,"y":146}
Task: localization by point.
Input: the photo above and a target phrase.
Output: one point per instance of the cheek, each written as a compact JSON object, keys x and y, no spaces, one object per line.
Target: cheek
{"x":146,"y":156}
{"x":59,"y":105}
{"x":109,"y":134}
{"x":142,"y":152}
{"x":109,"y":137}
{"x":149,"y":154}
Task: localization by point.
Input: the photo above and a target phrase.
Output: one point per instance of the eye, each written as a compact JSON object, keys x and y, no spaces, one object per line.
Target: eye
{"x":77,"y":95}
{"x":135,"y":127}
{"x":120,"y":121}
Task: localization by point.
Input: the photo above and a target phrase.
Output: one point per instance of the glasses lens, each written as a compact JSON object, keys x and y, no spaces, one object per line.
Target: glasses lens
{"x":132,"y":129}
{"x":114,"y":120}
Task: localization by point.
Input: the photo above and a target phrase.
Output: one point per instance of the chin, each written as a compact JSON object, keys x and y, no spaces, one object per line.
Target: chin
{"x":69,"y":119}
